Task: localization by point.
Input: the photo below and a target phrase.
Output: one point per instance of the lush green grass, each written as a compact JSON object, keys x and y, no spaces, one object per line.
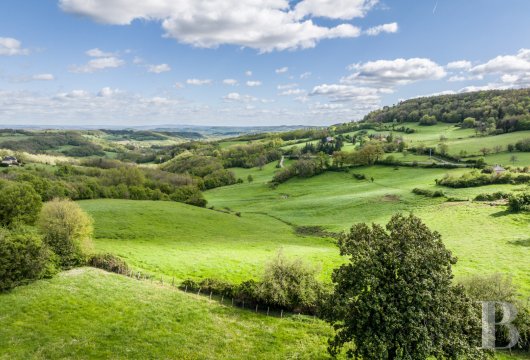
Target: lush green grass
{"x":483,"y":237}
{"x":88,"y":314}
{"x":182,"y":241}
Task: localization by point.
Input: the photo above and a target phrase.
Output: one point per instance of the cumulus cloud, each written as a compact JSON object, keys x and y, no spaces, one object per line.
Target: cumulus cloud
{"x":107,"y":91}
{"x":459,"y":65}
{"x":98,"y":53}
{"x":394,"y":72}
{"x":237,"y":97}
{"x":341,"y":92}
{"x":384,"y":28}
{"x":248,"y":73}
{"x":11,"y":47}
{"x":253,"y":83}
{"x":157,"y":69}
{"x":265,"y":25}
{"x":286,"y":86}
{"x":305,"y":75}
{"x":282,"y":70}
{"x":290,"y":92}
{"x":506,"y":64}
{"x":230,"y":82}
{"x":198,"y":82}
{"x":43,"y":77}
{"x":98,"y":64}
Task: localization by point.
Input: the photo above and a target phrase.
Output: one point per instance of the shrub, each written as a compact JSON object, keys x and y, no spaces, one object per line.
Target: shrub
{"x":428,"y":193}
{"x":190,"y":195}
{"x":18,"y":203}
{"x":359,"y":176}
{"x":518,"y":203}
{"x":109,"y":262}
{"x":67,"y":229}
{"x":492,"y":197}
{"x":23,"y":258}
{"x":499,"y":287}
{"x":291,"y":284}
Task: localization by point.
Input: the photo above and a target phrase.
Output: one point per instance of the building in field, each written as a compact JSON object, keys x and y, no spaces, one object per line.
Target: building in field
{"x":497,"y":169}
{"x":10,"y":161}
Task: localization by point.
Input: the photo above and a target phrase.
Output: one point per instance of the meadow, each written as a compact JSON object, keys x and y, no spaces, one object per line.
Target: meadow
{"x":86,"y":313}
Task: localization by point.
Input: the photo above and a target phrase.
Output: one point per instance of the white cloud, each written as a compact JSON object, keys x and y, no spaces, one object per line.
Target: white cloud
{"x":265,"y":25}
{"x":179,"y":85}
{"x":253,"y":83}
{"x":98,"y":53}
{"x":282,"y":70}
{"x":74,"y":94}
{"x":394,"y":72}
{"x":305,"y":75}
{"x":97,"y":64}
{"x":506,"y":64}
{"x":198,"y":82}
{"x":384,"y":28}
{"x":334,"y":9}
{"x":248,"y":73}
{"x":107,"y":91}
{"x":43,"y":77}
{"x":290,"y":92}
{"x":10,"y":47}
{"x":341,"y":92}
{"x":157,"y":69}
{"x":230,"y":82}
{"x":286,"y":86}
{"x":459,"y":65}
{"x":457,"y":78}
{"x":237,"y":97}
{"x":138,"y":60}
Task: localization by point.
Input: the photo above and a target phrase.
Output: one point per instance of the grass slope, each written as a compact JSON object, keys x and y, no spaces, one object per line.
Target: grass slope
{"x":485,"y":238}
{"x":183,"y":241}
{"x":89,"y":314}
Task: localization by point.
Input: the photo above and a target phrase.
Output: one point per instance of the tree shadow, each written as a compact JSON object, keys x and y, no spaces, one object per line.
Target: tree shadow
{"x":520,"y":242}
{"x":501,"y":213}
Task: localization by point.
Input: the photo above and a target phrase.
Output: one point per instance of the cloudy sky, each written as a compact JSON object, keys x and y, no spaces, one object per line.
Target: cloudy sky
{"x":248,"y":62}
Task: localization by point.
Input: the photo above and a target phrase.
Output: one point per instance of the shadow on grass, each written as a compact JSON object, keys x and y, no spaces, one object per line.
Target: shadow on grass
{"x":501,"y":213}
{"x":525,"y":243}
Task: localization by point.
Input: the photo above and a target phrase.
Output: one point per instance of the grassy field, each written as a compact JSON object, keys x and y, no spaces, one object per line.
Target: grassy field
{"x":181,"y":241}
{"x":89,"y":314}
{"x":485,"y":238}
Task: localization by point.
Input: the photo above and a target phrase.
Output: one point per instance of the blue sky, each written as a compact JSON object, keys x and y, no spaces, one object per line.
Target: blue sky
{"x":248,"y":62}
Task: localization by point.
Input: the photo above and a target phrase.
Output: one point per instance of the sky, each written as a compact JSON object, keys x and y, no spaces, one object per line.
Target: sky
{"x":249,"y":62}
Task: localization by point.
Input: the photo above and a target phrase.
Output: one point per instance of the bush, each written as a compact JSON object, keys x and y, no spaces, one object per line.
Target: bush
{"x":518,"y":203}
{"x":291,"y":284}
{"x":19,"y":203}
{"x":359,"y":176}
{"x":110,"y":263}
{"x":190,"y":195}
{"x":428,"y":193}
{"x":23,"y":258}
{"x":67,"y":229}
{"x":498,"y":287}
{"x":492,"y":197}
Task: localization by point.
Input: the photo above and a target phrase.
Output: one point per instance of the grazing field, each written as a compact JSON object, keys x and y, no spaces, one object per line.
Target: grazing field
{"x":485,"y":238}
{"x":89,"y":314}
{"x":182,"y":241}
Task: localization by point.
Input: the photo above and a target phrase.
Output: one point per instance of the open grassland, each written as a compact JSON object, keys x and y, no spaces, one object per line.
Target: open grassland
{"x":182,"y":241}
{"x":89,"y":314}
{"x":485,"y":238}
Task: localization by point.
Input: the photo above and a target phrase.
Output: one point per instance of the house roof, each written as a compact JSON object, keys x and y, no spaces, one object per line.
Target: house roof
{"x":498,"y":168}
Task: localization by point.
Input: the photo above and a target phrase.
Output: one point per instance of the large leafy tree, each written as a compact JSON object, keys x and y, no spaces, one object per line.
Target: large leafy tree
{"x":394,"y":298}
{"x":19,"y":203}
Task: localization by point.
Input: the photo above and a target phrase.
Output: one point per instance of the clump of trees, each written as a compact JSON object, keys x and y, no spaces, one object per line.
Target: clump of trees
{"x":67,"y":230}
{"x":61,"y":239}
{"x":474,"y":178}
{"x":394,"y":298}
{"x":494,"y":111}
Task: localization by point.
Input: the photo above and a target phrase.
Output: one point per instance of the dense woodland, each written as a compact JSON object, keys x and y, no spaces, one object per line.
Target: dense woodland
{"x":495,"y":111}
